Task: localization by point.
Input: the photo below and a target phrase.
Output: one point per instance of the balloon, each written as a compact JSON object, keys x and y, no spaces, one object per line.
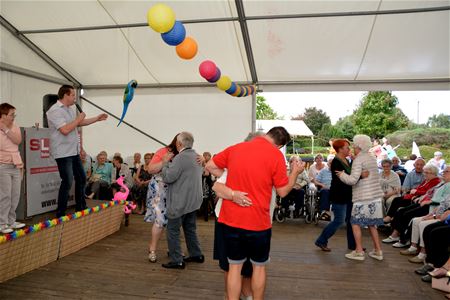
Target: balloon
{"x":232,"y":89}
{"x":175,"y":36}
{"x":127,"y":97}
{"x":207,"y":69}
{"x":252,"y":90}
{"x":161,"y":18}
{"x":187,"y":49}
{"x":224,"y":83}
{"x":241,"y":93}
{"x":216,"y":77}
{"x":238,"y":90}
{"x":245,"y":91}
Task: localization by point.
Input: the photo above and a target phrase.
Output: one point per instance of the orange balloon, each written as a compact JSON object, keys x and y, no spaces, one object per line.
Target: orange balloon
{"x":237,"y":92}
{"x":187,"y":49}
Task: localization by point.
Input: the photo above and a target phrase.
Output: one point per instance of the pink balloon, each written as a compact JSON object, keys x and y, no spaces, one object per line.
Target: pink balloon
{"x":207,"y":69}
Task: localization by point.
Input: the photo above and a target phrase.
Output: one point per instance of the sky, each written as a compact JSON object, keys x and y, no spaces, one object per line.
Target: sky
{"x":341,"y":104}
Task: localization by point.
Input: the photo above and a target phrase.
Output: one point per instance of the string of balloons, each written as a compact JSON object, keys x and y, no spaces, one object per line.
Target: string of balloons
{"x":161,"y":18}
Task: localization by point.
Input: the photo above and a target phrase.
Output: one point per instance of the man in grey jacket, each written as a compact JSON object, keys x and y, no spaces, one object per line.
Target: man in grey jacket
{"x":184,"y":197}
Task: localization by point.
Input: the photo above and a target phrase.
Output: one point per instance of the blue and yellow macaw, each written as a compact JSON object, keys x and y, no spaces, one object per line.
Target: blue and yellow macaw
{"x":127,"y":97}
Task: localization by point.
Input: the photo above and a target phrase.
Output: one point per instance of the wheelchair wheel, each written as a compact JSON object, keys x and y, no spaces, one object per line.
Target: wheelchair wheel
{"x":279,"y":215}
{"x":316,"y":218}
{"x":310,"y":210}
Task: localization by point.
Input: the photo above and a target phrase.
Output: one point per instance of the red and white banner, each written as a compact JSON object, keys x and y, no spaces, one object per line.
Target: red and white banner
{"x":42,"y":176}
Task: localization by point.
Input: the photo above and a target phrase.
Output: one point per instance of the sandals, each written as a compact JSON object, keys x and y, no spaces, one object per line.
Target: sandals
{"x":438,"y":273}
{"x":152,"y":256}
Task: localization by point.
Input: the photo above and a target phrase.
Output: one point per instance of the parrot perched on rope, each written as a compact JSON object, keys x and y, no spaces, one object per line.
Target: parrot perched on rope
{"x":127,"y":97}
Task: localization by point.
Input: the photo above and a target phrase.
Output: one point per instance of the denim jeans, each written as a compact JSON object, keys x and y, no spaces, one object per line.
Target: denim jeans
{"x":342,"y":213}
{"x":324,"y":199}
{"x":70,"y":168}
{"x":189,"y":224}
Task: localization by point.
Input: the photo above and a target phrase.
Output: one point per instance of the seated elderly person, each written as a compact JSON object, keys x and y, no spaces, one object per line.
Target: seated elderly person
{"x":398,"y":169}
{"x":415,"y":177}
{"x":413,"y":180}
{"x":100,"y":179}
{"x":121,"y":169}
{"x":438,"y":161}
{"x":297,"y":194}
{"x":323,"y":181}
{"x":439,"y":204}
{"x":437,"y":240}
{"x":316,"y":167}
{"x":390,"y":184}
{"x":419,"y":206}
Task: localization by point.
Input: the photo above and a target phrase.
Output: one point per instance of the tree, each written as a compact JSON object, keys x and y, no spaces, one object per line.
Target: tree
{"x":314,"y":118}
{"x":346,"y":126}
{"x":377,"y":115}
{"x":264,"y":111}
{"x":440,"y":121}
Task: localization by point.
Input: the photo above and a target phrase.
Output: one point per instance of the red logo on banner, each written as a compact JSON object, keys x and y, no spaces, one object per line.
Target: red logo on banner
{"x":42,"y":145}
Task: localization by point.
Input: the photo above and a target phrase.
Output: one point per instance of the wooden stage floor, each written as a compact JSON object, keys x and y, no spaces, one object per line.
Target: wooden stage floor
{"x":117,"y":267}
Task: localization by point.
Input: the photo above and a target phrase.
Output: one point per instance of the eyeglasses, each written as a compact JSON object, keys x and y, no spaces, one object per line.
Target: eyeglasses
{"x":13,"y":115}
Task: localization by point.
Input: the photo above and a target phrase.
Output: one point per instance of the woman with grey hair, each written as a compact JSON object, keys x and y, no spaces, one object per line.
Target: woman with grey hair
{"x":418,"y":208}
{"x":438,"y":161}
{"x":367,"y":198}
{"x":390,"y":184}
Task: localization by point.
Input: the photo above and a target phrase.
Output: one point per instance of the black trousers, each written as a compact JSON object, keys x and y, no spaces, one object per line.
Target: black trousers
{"x":295,"y":196}
{"x":397,"y":203}
{"x":403,"y":217}
{"x":436,"y":237}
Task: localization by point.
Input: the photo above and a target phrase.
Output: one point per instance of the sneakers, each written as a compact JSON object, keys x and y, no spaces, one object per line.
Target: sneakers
{"x":17,"y":225}
{"x":391,"y":239}
{"x":5,"y":229}
{"x":356,"y":255}
{"x":401,"y":245}
{"x":378,"y":255}
{"x":410,"y":251}
{"x":416,"y":259}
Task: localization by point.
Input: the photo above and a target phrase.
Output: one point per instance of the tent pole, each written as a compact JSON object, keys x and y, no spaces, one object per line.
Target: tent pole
{"x":312,"y":145}
{"x":254,"y":112}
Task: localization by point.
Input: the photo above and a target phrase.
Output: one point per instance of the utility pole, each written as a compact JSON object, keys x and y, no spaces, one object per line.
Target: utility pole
{"x":418,"y":111}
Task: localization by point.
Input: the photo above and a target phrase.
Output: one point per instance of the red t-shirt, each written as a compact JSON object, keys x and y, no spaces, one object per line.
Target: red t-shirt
{"x":253,"y":167}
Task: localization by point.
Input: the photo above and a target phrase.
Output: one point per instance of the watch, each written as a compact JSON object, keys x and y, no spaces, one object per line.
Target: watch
{"x":434,"y":216}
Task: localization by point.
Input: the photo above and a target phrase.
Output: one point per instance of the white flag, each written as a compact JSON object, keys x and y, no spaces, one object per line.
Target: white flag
{"x":415,"y":149}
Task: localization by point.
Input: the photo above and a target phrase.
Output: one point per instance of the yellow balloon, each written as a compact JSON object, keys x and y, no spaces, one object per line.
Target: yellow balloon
{"x":161,"y":18}
{"x":224,"y":83}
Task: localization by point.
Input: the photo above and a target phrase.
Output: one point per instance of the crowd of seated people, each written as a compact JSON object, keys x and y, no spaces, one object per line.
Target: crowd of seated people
{"x":323,"y":182}
{"x":297,"y":195}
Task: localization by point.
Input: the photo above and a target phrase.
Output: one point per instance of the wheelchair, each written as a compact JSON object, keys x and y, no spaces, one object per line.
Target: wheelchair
{"x":312,"y":205}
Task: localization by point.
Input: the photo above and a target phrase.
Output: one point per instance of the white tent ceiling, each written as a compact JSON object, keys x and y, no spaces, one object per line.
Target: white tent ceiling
{"x":270,"y":43}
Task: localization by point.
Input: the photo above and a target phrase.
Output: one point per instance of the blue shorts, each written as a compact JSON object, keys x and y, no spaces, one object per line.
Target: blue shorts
{"x":242,"y":245}
{"x":220,"y":252}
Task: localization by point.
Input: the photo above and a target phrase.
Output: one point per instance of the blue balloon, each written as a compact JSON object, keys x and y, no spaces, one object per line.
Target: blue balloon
{"x":176,"y":35}
{"x":216,"y":77}
{"x":232,"y":89}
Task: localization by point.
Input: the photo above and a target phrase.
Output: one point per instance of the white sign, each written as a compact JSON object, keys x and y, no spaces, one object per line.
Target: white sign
{"x":42,"y":176}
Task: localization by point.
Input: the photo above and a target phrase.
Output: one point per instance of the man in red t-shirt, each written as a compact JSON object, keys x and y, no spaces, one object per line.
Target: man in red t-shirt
{"x":254,"y":167}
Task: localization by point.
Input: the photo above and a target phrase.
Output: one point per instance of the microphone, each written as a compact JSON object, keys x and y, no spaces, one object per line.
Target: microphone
{"x":78,"y":107}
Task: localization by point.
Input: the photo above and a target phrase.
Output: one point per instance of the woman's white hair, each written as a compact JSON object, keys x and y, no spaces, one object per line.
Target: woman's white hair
{"x":432,"y":168}
{"x":363,"y":142}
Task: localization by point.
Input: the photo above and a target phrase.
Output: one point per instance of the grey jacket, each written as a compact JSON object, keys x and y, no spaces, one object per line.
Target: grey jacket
{"x":184,"y":177}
